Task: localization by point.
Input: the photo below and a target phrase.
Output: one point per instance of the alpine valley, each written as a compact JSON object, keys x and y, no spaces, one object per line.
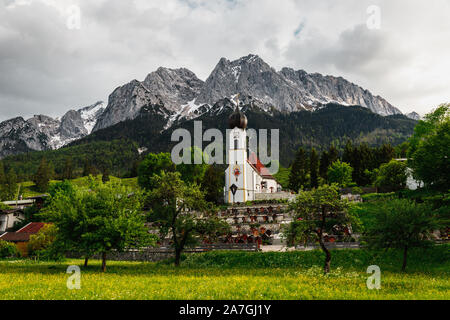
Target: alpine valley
{"x":309,"y":109}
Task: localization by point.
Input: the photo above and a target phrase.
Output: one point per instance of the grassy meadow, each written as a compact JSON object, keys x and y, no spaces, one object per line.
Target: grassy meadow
{"x":237,"y":275}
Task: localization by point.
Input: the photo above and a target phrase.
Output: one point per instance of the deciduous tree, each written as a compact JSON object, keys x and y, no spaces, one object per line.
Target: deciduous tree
{"x":392,"y":175}
{"x":316,"y":212}
{"x":340,"y":173}
{"x":402,"y":224}
{"x":180,"y":211}
{"x":104,"y":218}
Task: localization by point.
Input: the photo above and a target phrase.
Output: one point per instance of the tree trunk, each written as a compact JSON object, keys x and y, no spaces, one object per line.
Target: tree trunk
{"x":177,"y":257}
{"x":326,"y":267}
{"x":86,"y":260}
{"x":405,"y":256}
{"x":104,"y":262}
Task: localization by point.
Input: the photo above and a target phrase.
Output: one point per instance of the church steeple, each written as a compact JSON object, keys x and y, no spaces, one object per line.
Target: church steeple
{"x":237,"y":119}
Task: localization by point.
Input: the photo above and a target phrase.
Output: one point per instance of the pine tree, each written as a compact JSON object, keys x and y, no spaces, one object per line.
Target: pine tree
{"x":42,"y":176}
{"x":324,"y":164}
{"x":313,"y":168}
{"x":333,"y":155}
{"x":88,"y":169}
{"x":347,"y":156}
{"x":68,"y":169}
{"x":105,"y":174}
{"x":298,"y":175}
{"x":11,"y":185}
{"x":3,"y":193}
{"x":384,"y":155}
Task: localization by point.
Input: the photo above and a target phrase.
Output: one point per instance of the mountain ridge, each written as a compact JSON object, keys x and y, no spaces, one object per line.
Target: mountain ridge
{"x":179,"y":95}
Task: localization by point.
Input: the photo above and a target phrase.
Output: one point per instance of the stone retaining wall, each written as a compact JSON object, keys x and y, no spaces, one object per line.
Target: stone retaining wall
{"x":135,"y":255}
{"x":275,"y":196}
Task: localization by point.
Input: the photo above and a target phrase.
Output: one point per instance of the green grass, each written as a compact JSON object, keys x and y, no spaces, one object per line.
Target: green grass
{"x":237,"y":275}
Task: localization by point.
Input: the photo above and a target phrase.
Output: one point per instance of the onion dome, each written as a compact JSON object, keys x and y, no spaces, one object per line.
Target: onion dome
{"x":237,"y":119}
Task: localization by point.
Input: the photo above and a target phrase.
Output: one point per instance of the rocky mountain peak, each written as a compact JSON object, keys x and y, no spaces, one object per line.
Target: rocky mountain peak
{"x":414,"y":115}
{"x":177,"y":95}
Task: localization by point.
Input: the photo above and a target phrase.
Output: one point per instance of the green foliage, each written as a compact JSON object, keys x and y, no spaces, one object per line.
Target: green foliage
{"x":402,"y":224}
{"x":193,"y":173}
{"x":3,"y":195}
{"x":326,"y":159}
{"x":213,"y":184}
{"x":42,"y":245}
{"x":151,"y":166}
{"x":392,"y":175}
{"x":8,"y":187}
{"x":283,"y":176}
{"x":422,"y":259}
{"x":316,"y":212}
{"x":340,"y":173}
{"x":7,"y":250}
{"x":314,"y":169}
{"x":180,"y":210}
{"x":299,"y":171}
{"x":104,"y":218}
{"x":429,"y":150}
{"x":357,"y":190}
{"x":67,"y":173}
{"x":122,"y":153}
{"x":364,"y":160}
{"x":65,"y":187}
{"x":42,"y":176}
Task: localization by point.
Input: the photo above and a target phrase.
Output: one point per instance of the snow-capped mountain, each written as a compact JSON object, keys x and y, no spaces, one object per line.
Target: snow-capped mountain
{"x":184,"y":96}
{"x":176,"y":95}
{"x":42,"y":132}
{"x":414,"y":115}
{"x":287,"y":90}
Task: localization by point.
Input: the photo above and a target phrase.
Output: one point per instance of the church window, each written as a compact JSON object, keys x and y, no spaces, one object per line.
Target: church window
{"x":236,"y":144}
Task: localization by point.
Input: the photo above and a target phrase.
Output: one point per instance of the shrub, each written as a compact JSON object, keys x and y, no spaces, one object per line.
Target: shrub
{"x":357,"y":190}
{"x":42,"y":245}
{"x":7,"y":249}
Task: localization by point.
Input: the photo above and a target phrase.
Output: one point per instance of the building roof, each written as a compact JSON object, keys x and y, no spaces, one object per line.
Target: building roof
{"x":16,"y":236}
{"x":19,"y":202}
{"x":259,"y":167}
{"x":23,"y":235}
{"x":32,"y":227}
{"x":11,"y":211}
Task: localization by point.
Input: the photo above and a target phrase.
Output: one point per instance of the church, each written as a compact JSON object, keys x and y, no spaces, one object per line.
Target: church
{"x":246,"y":177}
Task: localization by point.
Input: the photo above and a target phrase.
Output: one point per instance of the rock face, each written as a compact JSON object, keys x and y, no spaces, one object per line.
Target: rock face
{"x":414,"y":116}
{"x":185,"y":96}
{"x":42,"y":132}
{"x":171,"y":88}
{"x":18,"y":136}
{"x":287,"y":90}
{"x":178,"y":94}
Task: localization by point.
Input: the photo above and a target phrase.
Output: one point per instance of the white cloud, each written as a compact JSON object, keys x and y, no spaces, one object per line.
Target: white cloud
{"x":47,"y":68}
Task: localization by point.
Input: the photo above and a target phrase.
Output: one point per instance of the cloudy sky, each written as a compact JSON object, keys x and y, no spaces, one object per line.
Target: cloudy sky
{"x":48,"y":65}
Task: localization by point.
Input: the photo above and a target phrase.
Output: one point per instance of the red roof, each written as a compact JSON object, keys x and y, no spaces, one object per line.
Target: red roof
{"x":32,"y":227}
{"x":254,"y":161}
{"x":23,"y":235}
{"x":16,"y":236}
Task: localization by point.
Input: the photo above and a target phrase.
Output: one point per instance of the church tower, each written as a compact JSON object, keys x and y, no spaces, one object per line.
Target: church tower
{"x":236,"y":186}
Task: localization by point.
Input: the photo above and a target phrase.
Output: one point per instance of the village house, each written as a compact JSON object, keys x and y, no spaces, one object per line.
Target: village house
{"x":21,"y":237}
